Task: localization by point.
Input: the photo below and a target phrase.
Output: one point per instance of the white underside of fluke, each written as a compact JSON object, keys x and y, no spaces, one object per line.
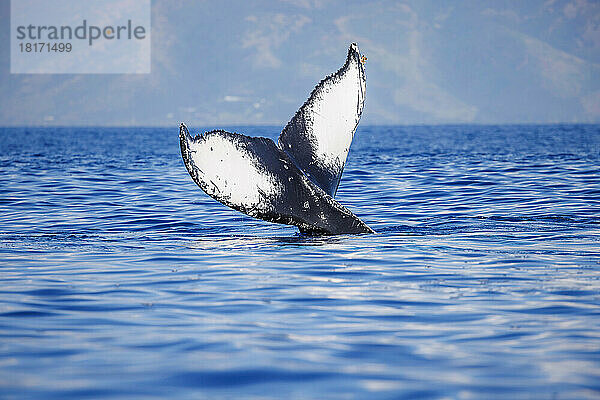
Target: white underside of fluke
{"x":232,"y":175}
{"x":319,"y":136}
{"x":333,"y":116}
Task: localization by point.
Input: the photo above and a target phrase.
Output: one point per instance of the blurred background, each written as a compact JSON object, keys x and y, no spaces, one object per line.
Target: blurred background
{"x":220,"y":63}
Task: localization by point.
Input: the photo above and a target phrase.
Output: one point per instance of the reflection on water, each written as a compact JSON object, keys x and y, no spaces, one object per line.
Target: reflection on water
{"x":120,"y":278}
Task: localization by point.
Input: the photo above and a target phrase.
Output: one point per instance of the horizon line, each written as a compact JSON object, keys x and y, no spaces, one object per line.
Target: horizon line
{"x":221,"y":125}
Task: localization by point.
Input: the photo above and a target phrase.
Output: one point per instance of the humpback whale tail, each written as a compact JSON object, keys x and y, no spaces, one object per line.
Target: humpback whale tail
{"x":294,"y":181}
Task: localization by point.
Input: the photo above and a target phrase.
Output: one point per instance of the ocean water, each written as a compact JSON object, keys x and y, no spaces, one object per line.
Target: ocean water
{"x":119,"y":278}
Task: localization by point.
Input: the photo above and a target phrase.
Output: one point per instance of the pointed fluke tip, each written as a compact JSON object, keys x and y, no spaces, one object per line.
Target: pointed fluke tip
{"x":353,"y":51}
{"x":183,"y":131}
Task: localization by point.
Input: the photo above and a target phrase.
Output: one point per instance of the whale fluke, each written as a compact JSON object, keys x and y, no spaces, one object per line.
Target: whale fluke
{"x":293,"y":182}
{"x":318,"y":137}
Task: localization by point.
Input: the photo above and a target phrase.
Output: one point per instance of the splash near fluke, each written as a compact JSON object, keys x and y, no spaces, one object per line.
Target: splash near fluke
{"x":294,"y":181}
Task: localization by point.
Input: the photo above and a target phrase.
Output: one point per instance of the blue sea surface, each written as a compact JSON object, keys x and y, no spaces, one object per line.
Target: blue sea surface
{"x":120,"y":278}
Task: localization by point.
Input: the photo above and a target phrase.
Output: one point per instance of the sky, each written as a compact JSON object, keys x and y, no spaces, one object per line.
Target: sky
{"x":223,"y":63}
